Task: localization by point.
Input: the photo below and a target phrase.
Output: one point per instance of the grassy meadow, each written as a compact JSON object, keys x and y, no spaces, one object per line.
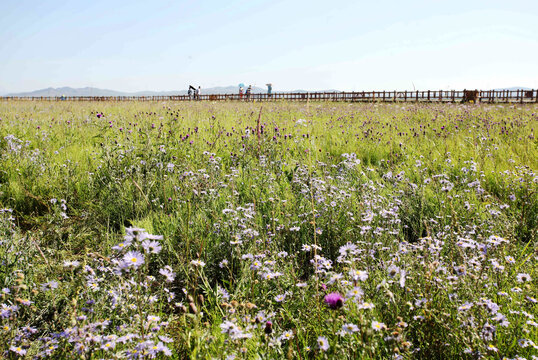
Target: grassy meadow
{"x":268,"y":231}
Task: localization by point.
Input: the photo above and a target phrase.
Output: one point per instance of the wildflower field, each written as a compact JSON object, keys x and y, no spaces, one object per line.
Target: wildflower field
{"x":268,"y":231}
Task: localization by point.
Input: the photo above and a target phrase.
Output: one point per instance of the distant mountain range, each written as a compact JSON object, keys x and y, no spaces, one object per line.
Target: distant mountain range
{"x":91,"y":91}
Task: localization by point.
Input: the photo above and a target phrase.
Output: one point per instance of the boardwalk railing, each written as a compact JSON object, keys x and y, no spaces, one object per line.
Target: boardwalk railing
{"x":439,"y":96}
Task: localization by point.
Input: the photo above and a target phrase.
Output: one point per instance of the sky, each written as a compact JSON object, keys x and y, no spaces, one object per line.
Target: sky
{"x":348,"y":45}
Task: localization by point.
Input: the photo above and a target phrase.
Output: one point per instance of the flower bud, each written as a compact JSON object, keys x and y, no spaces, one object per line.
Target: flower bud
{"x":193,"y":309}
{"x":268,"y":327}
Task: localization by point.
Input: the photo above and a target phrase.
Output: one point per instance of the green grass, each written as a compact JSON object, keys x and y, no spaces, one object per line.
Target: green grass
{"x":422,"y":180}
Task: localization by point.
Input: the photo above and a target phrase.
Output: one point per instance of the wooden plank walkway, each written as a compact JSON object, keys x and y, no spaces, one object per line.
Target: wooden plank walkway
{"x":432,"y":96}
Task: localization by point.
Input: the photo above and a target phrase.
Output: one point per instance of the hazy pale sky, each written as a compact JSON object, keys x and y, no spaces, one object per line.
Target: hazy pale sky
{"x":310,"y":44}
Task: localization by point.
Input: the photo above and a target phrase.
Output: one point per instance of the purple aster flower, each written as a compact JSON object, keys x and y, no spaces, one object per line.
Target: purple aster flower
{"x":138,"y":234}
{"x":122,"y":245}
{"x":18,"y":350}
{"x":5,"y":311}
{"x":523,"y":277}
{"x":350,"y":328}
{"x":198,"y":263}
{"x":163,"y":349}
{"x":51,"y":285}
{"x":510,"y":259}
{"x":356,"y":293}
{"x":460,"y":270}
{"x":154,"y":237}
{"x":366,"y":305}
{"x":377,"y":326}
{"x":287,"y":335}
{"x":168,"y":273}
{"x":488,"y":332}
{"x":358,"y":275}
{"x":393,"y":270}
{"x":223,"y":293}
{"x":334,"y":300}
{"x":165,"y":339}
{"x":108,"y":345}
{"x":71,"y":264}
{"x":134,"y":258}
{"x":465,"y":306}
{"x":151,"y":246}
{"x":323,"y":343}
{"x":255,"y":265}
{"x":403,"y":274}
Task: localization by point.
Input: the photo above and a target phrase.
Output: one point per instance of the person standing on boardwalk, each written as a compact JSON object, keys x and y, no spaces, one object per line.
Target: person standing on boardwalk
{"x":249,"y":91}
{"x":192,"y":91}
{"x":197,"y":93}
{"x":241,"y":90}
{"x":269,"y":89}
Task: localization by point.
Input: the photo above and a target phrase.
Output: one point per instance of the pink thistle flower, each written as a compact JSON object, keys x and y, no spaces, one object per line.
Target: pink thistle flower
{"x":334,"y":300}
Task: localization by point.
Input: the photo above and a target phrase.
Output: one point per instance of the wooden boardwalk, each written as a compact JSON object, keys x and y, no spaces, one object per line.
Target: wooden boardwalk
{"x":432,"y":96}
